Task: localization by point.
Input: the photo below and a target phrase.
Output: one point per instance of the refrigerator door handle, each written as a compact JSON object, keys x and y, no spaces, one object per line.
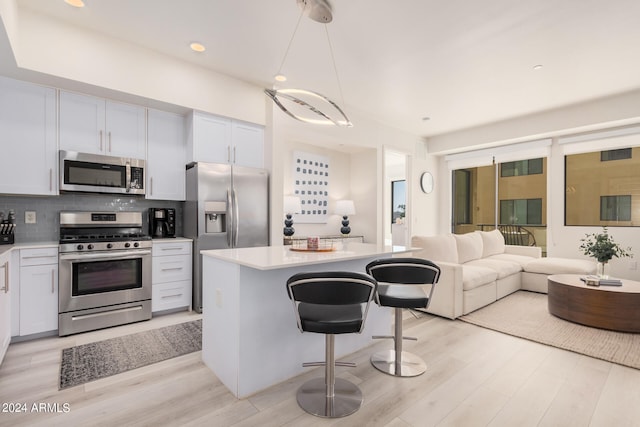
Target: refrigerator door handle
{"x":230,"y":211}
{"x":236,"y":219}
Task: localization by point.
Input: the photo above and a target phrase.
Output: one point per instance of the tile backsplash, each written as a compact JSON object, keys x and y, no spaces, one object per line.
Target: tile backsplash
{"x":47,"y":209}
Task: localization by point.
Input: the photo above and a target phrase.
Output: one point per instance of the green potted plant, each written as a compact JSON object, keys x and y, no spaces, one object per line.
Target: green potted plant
{"x":603,"y":248}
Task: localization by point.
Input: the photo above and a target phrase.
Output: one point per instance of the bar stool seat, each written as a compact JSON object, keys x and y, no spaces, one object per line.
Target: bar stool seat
{"x":330,"y":303}
{"x":401,"y":284}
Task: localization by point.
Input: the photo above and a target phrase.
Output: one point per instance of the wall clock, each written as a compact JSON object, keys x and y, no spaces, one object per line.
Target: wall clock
{"x":426,"y":182}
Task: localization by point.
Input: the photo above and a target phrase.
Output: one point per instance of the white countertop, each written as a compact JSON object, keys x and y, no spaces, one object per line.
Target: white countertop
{"x":275,"y":257}
{"x":33,"y":245}
{"x":171,"y":240}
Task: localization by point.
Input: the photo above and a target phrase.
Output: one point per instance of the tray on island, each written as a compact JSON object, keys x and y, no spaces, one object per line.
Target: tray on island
{"x":301,"y":246}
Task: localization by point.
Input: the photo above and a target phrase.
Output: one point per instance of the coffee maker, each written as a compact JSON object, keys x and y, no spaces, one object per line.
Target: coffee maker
{"x":162,"y":222}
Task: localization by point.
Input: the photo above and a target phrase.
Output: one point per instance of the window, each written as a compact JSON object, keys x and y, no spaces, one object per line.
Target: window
{"x":621,"y":154}
{"x":600,"y":191}
{"x":399,"y":200}
{"x":462,"y":196}
{"x":521,"y":167}
{"x":521,"y":211}
{"x":615,"y":208}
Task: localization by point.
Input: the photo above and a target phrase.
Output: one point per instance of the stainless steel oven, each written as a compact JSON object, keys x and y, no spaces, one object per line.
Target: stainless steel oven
{"x":104,"y":271}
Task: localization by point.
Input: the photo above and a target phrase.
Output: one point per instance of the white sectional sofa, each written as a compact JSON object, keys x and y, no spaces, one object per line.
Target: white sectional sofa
{"x":478,"y":268}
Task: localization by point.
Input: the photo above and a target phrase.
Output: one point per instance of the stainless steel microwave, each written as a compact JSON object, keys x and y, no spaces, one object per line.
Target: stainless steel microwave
{"x":95,"y":173}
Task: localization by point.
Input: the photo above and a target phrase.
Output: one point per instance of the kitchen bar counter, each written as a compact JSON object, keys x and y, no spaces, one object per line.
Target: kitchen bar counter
{"x":250,"y":339}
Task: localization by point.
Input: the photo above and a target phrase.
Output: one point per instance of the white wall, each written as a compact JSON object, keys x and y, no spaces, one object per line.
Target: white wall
{"x":426,"y":210}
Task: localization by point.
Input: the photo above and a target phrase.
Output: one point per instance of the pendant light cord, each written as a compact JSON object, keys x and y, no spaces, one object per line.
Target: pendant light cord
{"x":286,"y":53}
{"x":333,"y":60}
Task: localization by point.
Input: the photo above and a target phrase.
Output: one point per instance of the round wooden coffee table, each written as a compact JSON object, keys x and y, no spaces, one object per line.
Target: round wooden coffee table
{"x":616,"y":308}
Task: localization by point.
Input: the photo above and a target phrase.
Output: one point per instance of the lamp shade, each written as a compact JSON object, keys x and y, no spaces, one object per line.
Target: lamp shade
{"x":345,"y":207}
{"x":292,"y":205}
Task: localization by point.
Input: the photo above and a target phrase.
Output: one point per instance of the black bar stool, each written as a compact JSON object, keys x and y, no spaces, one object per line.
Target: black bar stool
{"x":330,"y":303}
{"x":400,"y":285}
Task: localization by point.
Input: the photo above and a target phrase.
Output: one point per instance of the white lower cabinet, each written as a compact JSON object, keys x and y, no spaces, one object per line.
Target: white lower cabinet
{"x":171,"y":275}
{"x":38,"y":290}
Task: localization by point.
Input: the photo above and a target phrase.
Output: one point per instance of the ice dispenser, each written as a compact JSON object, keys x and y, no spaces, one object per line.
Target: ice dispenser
{"x":215,"y":214}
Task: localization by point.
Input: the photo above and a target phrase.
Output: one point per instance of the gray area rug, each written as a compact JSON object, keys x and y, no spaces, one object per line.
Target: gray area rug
{"x":89,"y":362}
{"x":525,"y":314}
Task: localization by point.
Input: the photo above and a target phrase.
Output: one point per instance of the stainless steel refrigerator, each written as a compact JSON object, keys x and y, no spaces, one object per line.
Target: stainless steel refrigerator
{"x":226,"y":207}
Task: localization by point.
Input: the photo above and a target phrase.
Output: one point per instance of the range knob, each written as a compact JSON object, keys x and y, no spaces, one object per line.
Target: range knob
{"x":80,"y":247}
{"x":109,"y":245}
{"x":136,"y":244}
{"x":89,"y":246}
{"x":126,"y":245}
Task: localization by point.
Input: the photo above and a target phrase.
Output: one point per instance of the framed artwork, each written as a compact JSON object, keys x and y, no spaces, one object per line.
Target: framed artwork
{"x":311,"y":173}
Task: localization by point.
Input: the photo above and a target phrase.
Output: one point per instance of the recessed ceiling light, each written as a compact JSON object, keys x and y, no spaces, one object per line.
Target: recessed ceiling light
{"x":280,"y":78}
{"x":75,"y":3}
{"x":537,"y":67}
{"x":197,"y":47}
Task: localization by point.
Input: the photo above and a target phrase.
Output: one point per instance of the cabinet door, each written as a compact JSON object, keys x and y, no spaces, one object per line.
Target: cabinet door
{"x":38,"y":299}
{"x":82,"y":123}
{"x":166,"y":152}
{"x":5,"y":307}
{"x":27,"y":138}
{"x":211,"y":138}
{"x":125,"y":130}
{"x":248,"y":145}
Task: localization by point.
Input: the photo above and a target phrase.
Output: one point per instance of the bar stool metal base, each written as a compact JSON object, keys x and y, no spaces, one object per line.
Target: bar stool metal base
{"x":410,"y":365}
{"x":312,"y":397}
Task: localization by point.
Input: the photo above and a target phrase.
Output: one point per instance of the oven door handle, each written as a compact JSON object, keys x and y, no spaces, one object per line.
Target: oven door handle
{"x":105,"y":256}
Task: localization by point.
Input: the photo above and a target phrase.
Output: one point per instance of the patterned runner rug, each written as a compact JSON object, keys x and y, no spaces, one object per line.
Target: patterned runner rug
{"x":525,"y":314}
{"x":89,"y":362}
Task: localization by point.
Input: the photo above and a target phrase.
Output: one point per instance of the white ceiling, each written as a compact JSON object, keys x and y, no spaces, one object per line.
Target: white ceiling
{"x":462,"y":63}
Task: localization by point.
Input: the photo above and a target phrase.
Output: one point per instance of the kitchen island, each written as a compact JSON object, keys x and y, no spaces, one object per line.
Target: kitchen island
{"x":249,"y":337}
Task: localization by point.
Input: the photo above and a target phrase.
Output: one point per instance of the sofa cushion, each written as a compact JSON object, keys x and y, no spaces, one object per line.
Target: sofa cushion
{"x":469,"y":247}
{"x":436,"y":248}
{"x":474,"y":277}
{"x":502,"y":267}
{"x":492,"y":242}
{"x":554,"y":265}
{"x":519,"y":259}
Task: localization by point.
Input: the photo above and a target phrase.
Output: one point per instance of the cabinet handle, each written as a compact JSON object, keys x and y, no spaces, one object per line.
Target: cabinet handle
{"x":171,"y":269}
{"x":234,"y":154}
{"x":50,"y":179}
{"x":109,"y":134}
{"x":6,"y":278}
{"x":53,"y":280}
{"x":228,"y":154}
{"x":175,"y":248}
{"x":100,"y":140}
{"x":151,"y":186}
{"x":172,"y":296}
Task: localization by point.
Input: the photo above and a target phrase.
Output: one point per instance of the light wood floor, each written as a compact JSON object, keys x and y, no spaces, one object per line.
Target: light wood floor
{"x":476,"y":377}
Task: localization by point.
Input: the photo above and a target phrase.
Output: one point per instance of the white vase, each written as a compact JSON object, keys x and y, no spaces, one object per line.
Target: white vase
{"x":601,"y":270}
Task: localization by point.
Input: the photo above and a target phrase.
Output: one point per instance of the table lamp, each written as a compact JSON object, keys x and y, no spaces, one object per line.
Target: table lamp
{"x":291,"y":206}
{"x":345,"y":208}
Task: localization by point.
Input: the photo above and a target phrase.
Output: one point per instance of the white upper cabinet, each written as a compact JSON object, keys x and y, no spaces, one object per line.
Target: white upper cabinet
{"x":166,"y":150}
{"x":248,"y":144}
{"x":211,"y":139}
{"x":216,"y":139}
{"x":98,"y":126}
{"x":27,"y":138}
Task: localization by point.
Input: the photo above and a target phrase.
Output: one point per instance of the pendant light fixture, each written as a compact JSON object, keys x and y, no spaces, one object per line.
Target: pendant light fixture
{"x":302,"y":104}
